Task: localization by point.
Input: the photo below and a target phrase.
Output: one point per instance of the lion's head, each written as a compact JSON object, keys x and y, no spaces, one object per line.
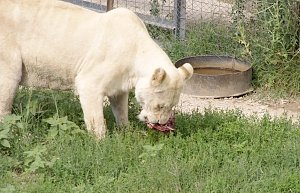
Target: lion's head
{"x":160,"y":92}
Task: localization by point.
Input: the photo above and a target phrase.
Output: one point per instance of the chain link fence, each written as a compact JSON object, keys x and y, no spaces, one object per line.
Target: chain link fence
{"x":169,"y":14}
{"x":213,"y":26}
{"x":176,"y":17}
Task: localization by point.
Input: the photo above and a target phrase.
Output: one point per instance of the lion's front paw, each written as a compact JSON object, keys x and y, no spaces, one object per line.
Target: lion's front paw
{"x":99,"y":134}
{"x":100,"y":131}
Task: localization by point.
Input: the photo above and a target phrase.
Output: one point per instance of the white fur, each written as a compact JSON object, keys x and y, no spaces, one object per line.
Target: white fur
{"x":57,"y":45}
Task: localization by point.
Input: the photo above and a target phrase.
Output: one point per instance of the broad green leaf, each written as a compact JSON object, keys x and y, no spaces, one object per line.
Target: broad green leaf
{"x":5,"y":143}
{"x":4,"y":133}
{"x":64,"y":127}
{"x":51,"y":121}
{"x":53,"y":132}
{"x":21,"y":125}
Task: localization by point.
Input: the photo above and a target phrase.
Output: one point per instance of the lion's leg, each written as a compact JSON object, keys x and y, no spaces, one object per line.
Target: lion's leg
{"x":8,"y":88}
{"x":10,"y":76}
{"x":119,"y":105}
{"x":92,"y":106}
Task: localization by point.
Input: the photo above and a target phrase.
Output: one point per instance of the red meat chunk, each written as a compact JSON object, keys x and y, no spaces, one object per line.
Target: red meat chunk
{"x":165,"y":128}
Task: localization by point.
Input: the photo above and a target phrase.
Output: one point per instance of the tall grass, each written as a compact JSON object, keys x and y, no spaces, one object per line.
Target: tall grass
{"x":206,"y":38}
{"x":276,"y":46}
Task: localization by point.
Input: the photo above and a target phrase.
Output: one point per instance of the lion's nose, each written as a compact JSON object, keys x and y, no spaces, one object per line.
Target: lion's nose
{"x":151,"y":120}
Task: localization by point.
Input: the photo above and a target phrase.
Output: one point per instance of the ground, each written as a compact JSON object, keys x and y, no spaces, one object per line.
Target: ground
{"x":252,"y":104}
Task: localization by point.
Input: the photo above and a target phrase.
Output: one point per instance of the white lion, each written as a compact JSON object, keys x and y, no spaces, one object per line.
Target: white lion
{"x":57,"y":45}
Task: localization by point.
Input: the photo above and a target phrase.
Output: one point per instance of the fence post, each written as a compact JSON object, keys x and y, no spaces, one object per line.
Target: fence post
{"x":297,"y":5}
{"x":109,"y":5}
{"x":180,"y":18}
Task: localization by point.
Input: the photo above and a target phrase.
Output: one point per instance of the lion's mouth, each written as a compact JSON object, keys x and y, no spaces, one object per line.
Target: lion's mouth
{"x":165,"y":128}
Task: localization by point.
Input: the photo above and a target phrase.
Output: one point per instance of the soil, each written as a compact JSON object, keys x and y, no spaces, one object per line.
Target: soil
{"x":249,"y":105}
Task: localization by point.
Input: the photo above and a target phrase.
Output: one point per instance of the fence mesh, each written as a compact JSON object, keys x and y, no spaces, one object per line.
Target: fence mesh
{"x":164,"y":13}
{"x":211,"y":26}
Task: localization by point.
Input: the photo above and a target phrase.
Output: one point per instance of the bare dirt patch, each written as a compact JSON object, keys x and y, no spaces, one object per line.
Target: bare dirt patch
{"x":249,"y":105}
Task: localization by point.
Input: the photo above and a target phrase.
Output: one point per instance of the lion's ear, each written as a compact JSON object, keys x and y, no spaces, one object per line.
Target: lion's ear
{"x":186,"y":71}
{"x":158,"y":77}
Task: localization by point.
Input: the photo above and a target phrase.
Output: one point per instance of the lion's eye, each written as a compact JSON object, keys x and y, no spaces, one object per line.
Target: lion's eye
{"x":159,"y":107}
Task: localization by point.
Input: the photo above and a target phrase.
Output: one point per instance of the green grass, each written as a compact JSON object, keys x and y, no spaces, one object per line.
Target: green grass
{"x":210,"y":152}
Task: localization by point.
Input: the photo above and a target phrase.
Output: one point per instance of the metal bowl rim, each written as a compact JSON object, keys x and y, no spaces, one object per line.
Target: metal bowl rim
{"x":242,"y":62}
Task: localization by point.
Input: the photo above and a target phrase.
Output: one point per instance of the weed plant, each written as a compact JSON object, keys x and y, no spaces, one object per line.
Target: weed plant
{"x":276,"y":46}
{"x":209,"y":152}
